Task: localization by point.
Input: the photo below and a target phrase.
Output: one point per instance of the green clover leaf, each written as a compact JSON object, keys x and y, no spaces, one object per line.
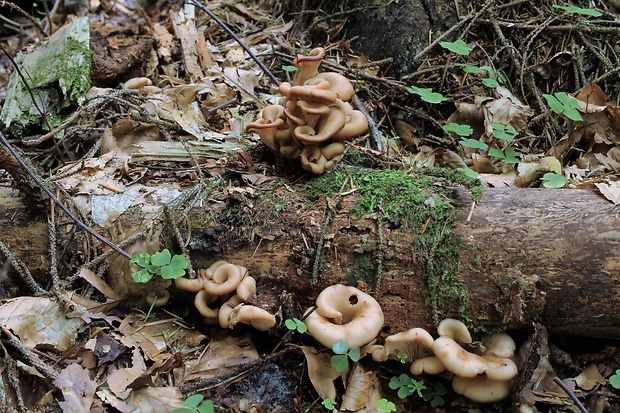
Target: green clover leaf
{"x":458,"y":47}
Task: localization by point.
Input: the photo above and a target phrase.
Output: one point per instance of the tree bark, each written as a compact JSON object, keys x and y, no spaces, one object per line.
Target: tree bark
{"x":527,"y":254}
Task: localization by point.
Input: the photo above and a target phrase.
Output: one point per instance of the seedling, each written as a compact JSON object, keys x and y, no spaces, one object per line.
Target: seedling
{"x":504,"y":132}
{"x":386,"y":406}
{"x":427,"y":94}
{"x":461,"y":130}
{"x":553,"y":180}
{"x":195,"y":404}
{"x":435,"y":394}
{"x":473,"y":143}
{"x":296,"y":324}
{"x":471,"y":69}
{"x":161,"y":263}
{"x":340,"y":361}
{"x":614,"y":380}
{"x":458,"y":47}
{"x":489,"y":82}
{"x":563,"y":104}
{"x":329,"y":404}
{"x":574,"y":9}
{"x":289,"y":68}
{"x":507,"y":155}
{"x":406,"y":386}
{"x":403,"y":357}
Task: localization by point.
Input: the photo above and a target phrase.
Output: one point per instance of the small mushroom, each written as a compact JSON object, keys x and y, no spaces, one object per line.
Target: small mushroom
{"x":252,"y":315}
{"x":326,"y":127}
{"x":428,"y":365}
{"x":158,"y":297}
{"x":268,"y":123}
{"x":498,"y":345}
{"x":307,"y":66}
{"x":225,"y":279}
{"x":455,"y":330}
{"x":193,"y":284}
{"x":203,"y":302}
{"x":344,"y":313}
{"x":338,"y":84}
{"x":312,"y":159}
{"x":482,"y":389}
{"x":246,"y":288}
{"x":355,"y":122}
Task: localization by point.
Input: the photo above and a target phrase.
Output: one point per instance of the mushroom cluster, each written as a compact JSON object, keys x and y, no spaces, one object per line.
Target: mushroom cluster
{"x":221,"y":292}
{"x":313,"y":118}
{"x":484,"y":377}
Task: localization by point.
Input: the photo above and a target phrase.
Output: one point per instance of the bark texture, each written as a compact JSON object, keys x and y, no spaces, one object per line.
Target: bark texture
{"x":526,"y":254}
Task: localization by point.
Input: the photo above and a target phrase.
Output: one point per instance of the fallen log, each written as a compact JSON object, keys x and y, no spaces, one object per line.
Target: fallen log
{"x":519,"y":255}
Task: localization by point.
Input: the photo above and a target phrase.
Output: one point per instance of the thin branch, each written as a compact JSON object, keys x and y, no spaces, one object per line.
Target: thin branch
{"x":237,"y":39}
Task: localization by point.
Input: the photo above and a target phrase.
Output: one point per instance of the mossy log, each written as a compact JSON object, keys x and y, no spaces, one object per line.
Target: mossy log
{"x":523,"y":254}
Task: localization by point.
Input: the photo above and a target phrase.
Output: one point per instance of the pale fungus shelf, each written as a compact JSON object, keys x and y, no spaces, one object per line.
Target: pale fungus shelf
{"x":313,"y":118}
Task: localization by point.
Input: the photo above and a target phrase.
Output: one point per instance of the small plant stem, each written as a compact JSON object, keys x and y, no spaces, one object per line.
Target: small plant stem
{"x":571,"y":394}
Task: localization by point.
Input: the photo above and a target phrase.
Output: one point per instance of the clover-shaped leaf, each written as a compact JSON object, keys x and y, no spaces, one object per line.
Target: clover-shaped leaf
{"x":461,"y":130}
{"x":473,"y":143}
{"x":553,"y":180}
{"x":386,"y":406}
{"x":614,"y":380}
{"x":161,"y":258}
{"x":458,"y":47}
{"x":143,"y":259}
{"x":427,"y":94}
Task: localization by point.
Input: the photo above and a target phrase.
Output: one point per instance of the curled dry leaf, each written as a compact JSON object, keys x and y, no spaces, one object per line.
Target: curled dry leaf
{"x":321,"y":372}
{"x":610,"y":190}
{"x":77,"y":389}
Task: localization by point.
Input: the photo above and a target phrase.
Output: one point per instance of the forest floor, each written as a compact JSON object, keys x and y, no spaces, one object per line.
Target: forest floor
{"x":119,"y":108}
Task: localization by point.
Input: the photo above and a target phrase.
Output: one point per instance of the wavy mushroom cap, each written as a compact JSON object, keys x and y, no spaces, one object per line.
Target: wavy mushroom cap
{"x":409,"y":345}
{"x":246,"y":288}
{"x":226,"y":311}
{"x":498,"y":345}
{"x":345,"y":313}
{"x":193,"y":284}
{"x":307,"y":66}
{"x":482,"y":389}
{"x":465,"y":364}
{"x":312,"y":111}
{"x":203,"y":302}
{"x":338,"y":84}
{"x":225,"y":279}
{"x":455,"y":330}
{"x":256,"y":317}
{"x":428,"y":365}
{"x":269,"y":121}
{"x":356,"y":124}
{"x":326,"y":127}
{"x":312,"y":159}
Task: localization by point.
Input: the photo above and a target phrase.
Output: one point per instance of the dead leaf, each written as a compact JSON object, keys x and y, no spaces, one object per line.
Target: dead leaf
{"x":156,"y":399}
{"x":610,"y":190}
{"x":120,"y":379}
{"x":321,"y":372}
{"x":589,"y":378}
{"x":39,"y":320}
{"x":363,"y":391}
{"x":77,"y":389}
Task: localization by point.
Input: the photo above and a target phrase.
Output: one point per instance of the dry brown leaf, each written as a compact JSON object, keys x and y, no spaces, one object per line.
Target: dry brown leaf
{"x":120,"y":379}
{"x":363,"y":391}
{"x":503,"y":180}
{"x":589,"y":378}
{"x":321,"y":372}
{"x":39,"y":320}
{"x":97,"y":282}
{"x":223,"y":353}
{"x":610,"y":190}
{"x":407,"y":134}
{"x":156,"y":399}
{"x":77,"y":389}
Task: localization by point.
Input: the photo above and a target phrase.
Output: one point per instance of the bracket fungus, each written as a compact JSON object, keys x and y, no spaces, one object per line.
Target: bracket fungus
{"x":221,"y":291}
{"x":314,"y":112}
{"x":344,"y":313}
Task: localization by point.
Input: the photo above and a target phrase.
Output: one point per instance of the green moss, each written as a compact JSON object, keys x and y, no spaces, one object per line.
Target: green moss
{"x":419,"y":201}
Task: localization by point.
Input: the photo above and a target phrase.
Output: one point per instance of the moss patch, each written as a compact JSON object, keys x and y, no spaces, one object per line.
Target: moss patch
{"x":419,"y":201}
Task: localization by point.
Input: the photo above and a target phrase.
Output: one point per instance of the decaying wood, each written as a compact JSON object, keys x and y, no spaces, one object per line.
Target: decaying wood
{"x":548,"y":255}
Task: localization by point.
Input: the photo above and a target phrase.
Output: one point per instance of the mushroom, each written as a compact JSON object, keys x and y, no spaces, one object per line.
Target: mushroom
{"x":355,"y":122}
{"x":193,"y":284}
{"x":267,"y":125}
{"x":338,"y":84}
{"x":325,"y":128}
{"x":498,"y":345}
{"x":482,"y":389}
{"x":312,"y":159}
{"x":203,"y":302}
{"x":344,"y":313}
{"x":455,"y":330}
{"x":234,"y":312}
{"x":307,"y":66}
{"x":158,"y":297}
{"x":246,"y":288}
{"x":225,"y":279}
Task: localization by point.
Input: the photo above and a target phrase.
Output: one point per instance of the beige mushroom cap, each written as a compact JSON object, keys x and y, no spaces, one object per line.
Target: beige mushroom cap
{"x":203,"y":302}
{"x":345,"y":313}
{"x":159,"y":297}
{"x":246,"y":288}
{"x":454,"y":329}
{"x":307,"y":66}
{"x":482,"y":389}
{"x":254,"y":316}
{"x":428,"y":365}
{"x":225,"y":279}
{"x":465,"y":364}
{"x":498,"y":345}
{"x":414,"y":343}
